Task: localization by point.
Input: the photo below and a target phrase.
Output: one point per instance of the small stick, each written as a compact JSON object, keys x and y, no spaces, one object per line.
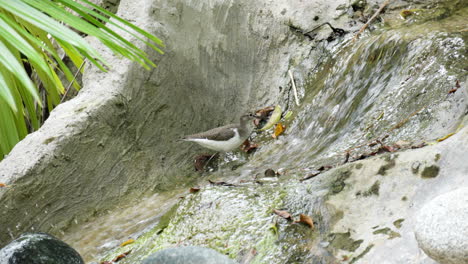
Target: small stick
{"x":294,"y":87}
{"x":384,"y":4}
{"x":70,"y":84}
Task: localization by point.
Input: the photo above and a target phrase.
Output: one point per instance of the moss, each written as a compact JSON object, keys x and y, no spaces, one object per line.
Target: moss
{"x":344,"y":241}
{"x":384,"y":230}
{"x":387,"y":231}
{"x":368,"y":248}
{"x":404,"y":198}
{"x":373,"y":190}
{"x":338,"y":185}
{"x":359,"y":166}
{"x":390,"y":164}
{"x":48,"y":140}
{"x":430,"y":172}
{"x":437,"y":157}
{"x":397,"y":223}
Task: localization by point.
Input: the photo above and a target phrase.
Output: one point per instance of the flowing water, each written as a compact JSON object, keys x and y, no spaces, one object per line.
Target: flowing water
{"x":391,"y":85}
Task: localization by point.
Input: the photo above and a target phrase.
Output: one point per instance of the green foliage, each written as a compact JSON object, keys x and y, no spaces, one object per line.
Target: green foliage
{"x":32,"y":35}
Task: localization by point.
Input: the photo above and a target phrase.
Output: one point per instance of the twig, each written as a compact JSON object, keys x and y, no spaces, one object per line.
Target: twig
{"x":384,"y":4}
{"x":294,"y":87}
{"x":74,"y":78}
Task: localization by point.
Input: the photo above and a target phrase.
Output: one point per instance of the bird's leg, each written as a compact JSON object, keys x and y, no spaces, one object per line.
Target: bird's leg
{"x":212,"y":156}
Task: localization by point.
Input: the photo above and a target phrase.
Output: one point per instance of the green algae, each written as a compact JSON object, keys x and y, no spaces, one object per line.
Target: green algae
{"x":368,"y":248}
{"x":373,"y":190}
{"x":338,"y":185}
{"x":387,"y":231}
{"x":390,"y":163}
{"x":344,"y":241}
{"x":430,"y":172}
{"x":398,"y":223}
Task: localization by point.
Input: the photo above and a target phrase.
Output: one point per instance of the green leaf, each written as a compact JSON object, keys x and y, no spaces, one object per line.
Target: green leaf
{"x":9,"y":61}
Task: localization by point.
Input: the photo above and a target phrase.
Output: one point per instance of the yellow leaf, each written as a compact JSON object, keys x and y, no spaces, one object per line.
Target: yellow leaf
{"x":274,"y":118}
{"x":279,"y":129}
{"x":445,"y":137}
{"x":130,"y":241}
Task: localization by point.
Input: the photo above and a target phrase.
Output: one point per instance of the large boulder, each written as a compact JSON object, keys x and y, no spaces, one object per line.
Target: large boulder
{"x":39,"y":248}
{"x":442,"y":227}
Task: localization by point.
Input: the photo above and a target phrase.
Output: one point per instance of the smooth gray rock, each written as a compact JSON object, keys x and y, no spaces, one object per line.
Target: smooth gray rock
{"x":442,"y":227}
{"x":39,"y":248}
{"x":188,"y":255}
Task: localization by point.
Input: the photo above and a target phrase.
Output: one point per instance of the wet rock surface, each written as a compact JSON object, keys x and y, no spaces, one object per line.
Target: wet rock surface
{"x":115,"y":142}
{"x":188,"y":255}
{"x":39,"y":248}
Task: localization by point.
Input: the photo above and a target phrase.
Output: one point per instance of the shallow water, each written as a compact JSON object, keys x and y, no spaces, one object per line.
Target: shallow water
{"x":393,"y":82}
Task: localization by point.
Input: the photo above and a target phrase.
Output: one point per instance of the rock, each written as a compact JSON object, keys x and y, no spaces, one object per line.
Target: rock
{"x":442,"y":227}
{"x":188,"y":255}
{"x":39,"y":248}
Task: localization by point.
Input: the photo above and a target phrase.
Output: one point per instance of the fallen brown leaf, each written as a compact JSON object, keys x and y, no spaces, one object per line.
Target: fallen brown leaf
{"x":452,"y":90}
{"x":263,"y":114}
{"x":121,"y":256}
{"x":221,"y":183}
{"x":284,"y":214}
{"x":130,"y":241}
{"x":279,"y":129}
{"x":3,"y":185}
{"x":305,"y":219}
{"x":310,"y":176}
{"x":248,"y":146}
{"x":325,"y":167}
{"x":194,"y":189}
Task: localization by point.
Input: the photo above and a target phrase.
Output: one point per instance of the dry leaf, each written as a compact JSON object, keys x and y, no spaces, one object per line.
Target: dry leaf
{"x":452,"y":90}
{"x":221,"y":183}
{"x":283,"y":214}
{"x":194,"y":189}
{"x":457,"y":86}
{"x":130,"y":241}
{"x":274,"y":118}
{"x":3,"y":185}
{"x":305,"y":219}
{"x":279,"y":129}
{"x":310,"y":176}
{"x":106,"y":262}
{"x":263,"y":114}
{"x":121,"y":256}
{"x":248,"y":146}
{"x":445,"y":137}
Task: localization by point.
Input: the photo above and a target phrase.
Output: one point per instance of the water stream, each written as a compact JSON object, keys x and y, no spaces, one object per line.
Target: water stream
{"x":393,"y":82}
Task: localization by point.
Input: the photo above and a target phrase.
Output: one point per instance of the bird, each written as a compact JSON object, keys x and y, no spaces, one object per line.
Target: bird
{"x":225,"y":138}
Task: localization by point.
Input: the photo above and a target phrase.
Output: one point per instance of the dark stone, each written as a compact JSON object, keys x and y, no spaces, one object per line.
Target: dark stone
{"x":188,"y":255}
{"x":39,"y":248}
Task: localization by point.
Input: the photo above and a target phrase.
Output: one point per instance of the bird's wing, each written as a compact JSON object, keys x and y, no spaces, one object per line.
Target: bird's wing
{"x":219,"y":133}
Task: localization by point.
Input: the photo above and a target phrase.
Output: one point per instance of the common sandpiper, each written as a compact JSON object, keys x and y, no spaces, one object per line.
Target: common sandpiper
{"x":225,"y":138}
